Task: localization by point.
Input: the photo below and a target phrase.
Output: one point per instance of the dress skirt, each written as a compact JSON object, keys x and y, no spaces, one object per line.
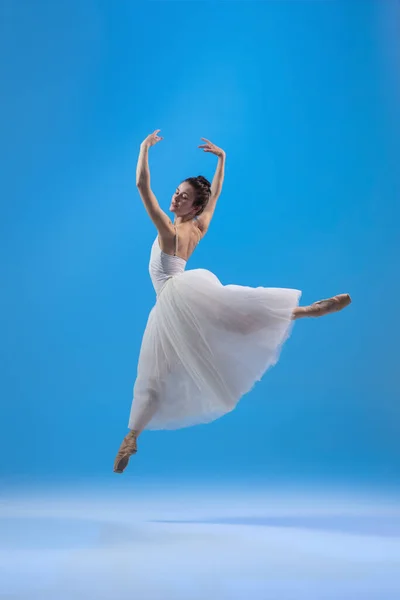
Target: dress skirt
{"x":205,"y":346}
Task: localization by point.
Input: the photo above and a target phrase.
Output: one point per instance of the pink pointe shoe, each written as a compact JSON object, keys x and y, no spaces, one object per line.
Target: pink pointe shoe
{"x":331,"y":305}
{"x":127,"y":448}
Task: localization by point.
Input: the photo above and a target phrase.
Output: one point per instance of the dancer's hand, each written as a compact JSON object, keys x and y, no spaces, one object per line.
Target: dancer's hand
{"x":152,"y":139}
{"x":210,"y":147}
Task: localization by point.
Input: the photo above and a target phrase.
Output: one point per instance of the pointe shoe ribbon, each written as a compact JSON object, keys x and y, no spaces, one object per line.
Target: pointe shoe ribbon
{"x":127,"y":448}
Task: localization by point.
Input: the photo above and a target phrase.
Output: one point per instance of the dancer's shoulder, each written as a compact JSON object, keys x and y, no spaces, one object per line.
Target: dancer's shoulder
{"x":202,"y":223}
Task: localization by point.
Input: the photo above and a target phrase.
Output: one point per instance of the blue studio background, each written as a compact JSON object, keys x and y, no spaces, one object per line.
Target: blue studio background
{"x":304,"y":97}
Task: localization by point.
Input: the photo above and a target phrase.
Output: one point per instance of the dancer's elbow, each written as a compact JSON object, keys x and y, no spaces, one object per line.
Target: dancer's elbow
{"x":142,"y":184}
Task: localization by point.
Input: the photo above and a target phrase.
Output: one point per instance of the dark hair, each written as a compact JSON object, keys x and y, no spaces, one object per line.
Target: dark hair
{"x":202,"y":188}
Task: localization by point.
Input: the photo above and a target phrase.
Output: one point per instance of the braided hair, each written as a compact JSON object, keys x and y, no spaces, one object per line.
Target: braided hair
{"x":202,"y":188}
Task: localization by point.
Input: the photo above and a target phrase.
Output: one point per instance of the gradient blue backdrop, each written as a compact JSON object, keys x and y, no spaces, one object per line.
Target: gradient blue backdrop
{"x":304,"y":97}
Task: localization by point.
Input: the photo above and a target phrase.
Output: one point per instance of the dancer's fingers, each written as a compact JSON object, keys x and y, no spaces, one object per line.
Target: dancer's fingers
{"x":206,"y":140}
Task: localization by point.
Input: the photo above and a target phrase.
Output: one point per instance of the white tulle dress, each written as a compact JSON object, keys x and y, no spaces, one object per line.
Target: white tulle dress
{"x":205,"y":344}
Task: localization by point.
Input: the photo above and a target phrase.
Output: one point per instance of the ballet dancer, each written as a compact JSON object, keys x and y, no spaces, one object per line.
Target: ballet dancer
{"x":205,"y":344}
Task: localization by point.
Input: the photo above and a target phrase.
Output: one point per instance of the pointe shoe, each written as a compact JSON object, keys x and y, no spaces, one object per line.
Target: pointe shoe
{"x":331,"y":305}
{"x":127,"y":448}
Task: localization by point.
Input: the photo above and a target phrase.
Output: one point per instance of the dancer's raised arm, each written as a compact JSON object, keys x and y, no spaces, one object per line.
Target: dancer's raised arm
{"x":156,"y":214}
{"x":216,"y":186}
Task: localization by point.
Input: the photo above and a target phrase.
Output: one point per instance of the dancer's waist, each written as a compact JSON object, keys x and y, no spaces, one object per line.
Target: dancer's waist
{"x":159,"y":284}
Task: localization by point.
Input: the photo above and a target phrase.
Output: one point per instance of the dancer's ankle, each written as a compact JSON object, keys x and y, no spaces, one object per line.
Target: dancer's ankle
{"x":299,"y":312}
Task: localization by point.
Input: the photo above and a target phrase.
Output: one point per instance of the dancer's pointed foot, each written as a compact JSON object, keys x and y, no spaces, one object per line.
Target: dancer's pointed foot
{"x":127,"y":448}
{"x":331,"y":305}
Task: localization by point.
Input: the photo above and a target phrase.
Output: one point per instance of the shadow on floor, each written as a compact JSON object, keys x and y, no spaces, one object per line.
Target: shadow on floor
{"x":380,"y":525}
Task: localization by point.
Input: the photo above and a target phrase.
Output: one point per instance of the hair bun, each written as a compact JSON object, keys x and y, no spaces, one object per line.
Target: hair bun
{"x":203,"y":181}
{"x":202,"y":188}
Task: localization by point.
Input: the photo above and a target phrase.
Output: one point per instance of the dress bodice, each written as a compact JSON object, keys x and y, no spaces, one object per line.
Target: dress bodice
{"x":162,"y":266}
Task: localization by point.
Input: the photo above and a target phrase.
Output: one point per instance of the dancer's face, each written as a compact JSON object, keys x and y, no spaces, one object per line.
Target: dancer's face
{"x":182,"y":200}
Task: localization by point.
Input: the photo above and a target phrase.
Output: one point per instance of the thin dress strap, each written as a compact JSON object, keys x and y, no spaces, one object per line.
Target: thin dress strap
{"x":176,"y":241}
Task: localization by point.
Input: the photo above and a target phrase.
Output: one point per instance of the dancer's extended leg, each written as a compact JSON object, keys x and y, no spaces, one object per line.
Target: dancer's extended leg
{"x":323,"y":307}
{"x":140,"y":417}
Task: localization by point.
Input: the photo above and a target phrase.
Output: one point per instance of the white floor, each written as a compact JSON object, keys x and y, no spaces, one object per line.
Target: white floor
{"x":128,"y":541}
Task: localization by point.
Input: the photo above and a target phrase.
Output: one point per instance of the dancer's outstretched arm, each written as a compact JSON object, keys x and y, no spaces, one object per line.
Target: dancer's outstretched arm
{"x":216,"y":186}
{"x":156,"y":214}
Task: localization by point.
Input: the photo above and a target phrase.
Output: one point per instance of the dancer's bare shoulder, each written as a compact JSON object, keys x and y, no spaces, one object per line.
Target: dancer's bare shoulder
{"x":190,"y":235}
{"x":202,"y":224}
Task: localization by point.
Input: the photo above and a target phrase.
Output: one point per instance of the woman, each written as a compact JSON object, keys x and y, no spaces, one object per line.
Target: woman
{"x":205,"y":344}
